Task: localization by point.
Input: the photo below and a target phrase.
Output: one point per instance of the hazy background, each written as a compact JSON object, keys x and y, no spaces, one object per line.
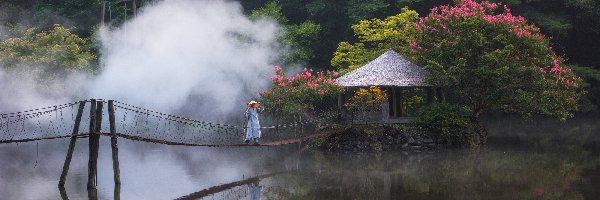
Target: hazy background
{"x":204,"y":59}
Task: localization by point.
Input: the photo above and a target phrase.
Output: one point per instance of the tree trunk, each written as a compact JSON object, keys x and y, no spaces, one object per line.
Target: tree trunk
{"x":479,"y":130}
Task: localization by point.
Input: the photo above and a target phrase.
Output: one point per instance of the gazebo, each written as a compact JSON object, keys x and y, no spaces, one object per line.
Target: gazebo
{"x":403,"y":81}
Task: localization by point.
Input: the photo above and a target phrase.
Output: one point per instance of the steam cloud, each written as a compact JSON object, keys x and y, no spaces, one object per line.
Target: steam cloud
{"x":176,"y":51}
{"x":203,"y":58}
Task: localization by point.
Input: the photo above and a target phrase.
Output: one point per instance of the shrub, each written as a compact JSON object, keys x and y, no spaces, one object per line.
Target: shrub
{"x":304,"y":92}
{"x":447,"y":123}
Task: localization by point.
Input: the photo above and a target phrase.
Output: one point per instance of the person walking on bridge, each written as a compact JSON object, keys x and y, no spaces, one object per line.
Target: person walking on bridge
{"x":252,"y":123}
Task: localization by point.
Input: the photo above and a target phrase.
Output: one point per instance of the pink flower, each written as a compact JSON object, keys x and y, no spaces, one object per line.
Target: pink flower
{"x":413,"y":44}
{"x":277,"y":68}
{"x":321,"y":92}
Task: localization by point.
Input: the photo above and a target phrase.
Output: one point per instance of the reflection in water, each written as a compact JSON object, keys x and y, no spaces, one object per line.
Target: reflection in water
{"x":254,"y":191}
{"x":525,"y":160}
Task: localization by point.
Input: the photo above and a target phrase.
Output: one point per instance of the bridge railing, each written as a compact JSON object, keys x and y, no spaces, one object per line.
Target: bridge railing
{"x":41,"y":123}
{"x":58,"y":121}
{"x":162,"y":127}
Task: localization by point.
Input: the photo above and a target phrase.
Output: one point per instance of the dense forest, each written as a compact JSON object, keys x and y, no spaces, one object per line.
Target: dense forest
{"x":315,"y":28}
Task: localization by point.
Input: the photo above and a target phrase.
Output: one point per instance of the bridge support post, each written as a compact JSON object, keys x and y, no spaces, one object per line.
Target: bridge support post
{"x":114,"y":147}
{"x":94,"y":142}
{"x":67,"y":164}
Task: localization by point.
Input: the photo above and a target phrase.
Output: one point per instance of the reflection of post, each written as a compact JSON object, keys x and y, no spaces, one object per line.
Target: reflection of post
{"x":114,"y":147}
{"x":63,"y":175}
{"x":301,"y":131}
{"x":387,"y":185}
{"x":254,"y":191}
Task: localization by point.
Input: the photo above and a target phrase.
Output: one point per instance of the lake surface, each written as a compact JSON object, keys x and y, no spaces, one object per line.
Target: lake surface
{"x":542,"y":159}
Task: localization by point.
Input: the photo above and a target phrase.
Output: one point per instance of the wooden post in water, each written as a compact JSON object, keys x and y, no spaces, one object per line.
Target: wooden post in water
{"x":93,"y":150}
{"x":113,"y":143}
{"x":63,"y":175}
{"x":63,"y":193}
{"x":92,"y":194}
{"x":98,"y":126}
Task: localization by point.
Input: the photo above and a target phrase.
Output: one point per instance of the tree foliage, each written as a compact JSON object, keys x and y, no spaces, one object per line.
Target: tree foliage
{"x":361,"y":9}
{"x":375,"y":36}
{"x":57,"y":50}
{"x":84,"y":15}
{"x":299,"y":37}
{"x":489,"y":59}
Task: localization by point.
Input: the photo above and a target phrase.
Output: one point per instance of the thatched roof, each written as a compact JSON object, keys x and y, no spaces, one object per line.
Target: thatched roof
{"x":389,"y":69}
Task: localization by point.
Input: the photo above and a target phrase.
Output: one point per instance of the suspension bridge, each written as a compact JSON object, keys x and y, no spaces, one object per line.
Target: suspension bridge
{"x":141,"y":124}
{"x":136,"y":123}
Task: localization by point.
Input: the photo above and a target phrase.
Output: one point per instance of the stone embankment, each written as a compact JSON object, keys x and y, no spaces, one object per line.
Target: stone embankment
{"x":359,"y":138}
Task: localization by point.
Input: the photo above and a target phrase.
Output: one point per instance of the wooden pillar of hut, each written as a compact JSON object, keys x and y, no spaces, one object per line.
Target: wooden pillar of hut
{"x":398,"y":97}
{"x":400,"y":103}
{"x":430,"y":95}
{"x":393,"y":103}
{"x":440,"y":95}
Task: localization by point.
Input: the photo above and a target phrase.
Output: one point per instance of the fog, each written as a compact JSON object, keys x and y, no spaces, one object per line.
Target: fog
{"x":148,"y":171}
{"x":201,"y":59}
{"x":204,"y":59}
{"x":203,"y":54}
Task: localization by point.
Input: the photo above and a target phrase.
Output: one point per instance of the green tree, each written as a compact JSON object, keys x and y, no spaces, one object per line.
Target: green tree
{"x":374,"y":37}
{"x":82,"y":14}
{"x":53,"y":52}
{"x":361,"y":9}
{"x":301,"y":38}
{"x":584,"y":38}
{"x":488,"y":59}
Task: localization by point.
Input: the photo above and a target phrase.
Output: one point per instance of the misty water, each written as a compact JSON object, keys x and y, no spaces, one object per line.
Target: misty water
{"x":537,"y":159}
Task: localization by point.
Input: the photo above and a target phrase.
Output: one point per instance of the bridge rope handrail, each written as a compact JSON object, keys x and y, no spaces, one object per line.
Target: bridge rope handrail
{"x":168,"y":116}
{"x":36,"y":114}
{"x":185,"y":120}
{"x":27,"y":112}
{"x":169,"y":119}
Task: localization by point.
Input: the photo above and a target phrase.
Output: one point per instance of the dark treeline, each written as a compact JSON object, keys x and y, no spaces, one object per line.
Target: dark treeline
{"x":572,"y":25}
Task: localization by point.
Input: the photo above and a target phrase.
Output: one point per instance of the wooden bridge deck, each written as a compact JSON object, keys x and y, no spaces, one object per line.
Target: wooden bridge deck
{"x":312,"y":136}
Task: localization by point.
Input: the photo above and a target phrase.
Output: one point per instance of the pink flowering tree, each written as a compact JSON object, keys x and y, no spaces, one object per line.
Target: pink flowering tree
{"x":488,"y":59}
{"x":304,"y":92}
